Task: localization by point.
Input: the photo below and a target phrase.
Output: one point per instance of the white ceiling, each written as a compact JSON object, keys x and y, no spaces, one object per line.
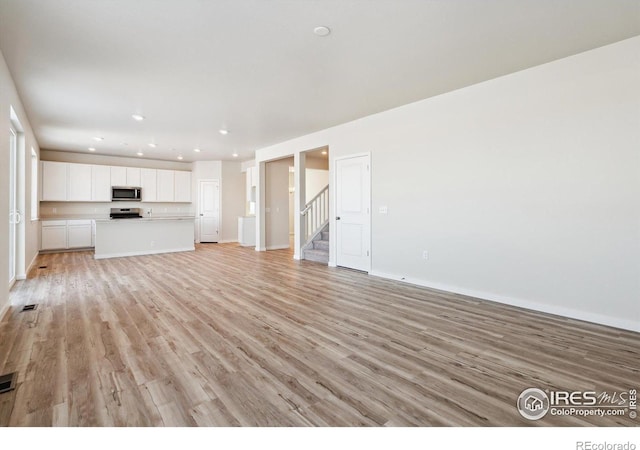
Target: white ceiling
{"x":255,"y":67}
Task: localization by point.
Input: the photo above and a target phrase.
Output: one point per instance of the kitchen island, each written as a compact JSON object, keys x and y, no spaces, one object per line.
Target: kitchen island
{"x":144,"y":236}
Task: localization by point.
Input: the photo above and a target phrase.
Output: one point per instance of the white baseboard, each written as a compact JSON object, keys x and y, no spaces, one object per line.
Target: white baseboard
{"x":570,"y":313}
{"x":3,"y":311}
{"x":142,"y":253}
{"x":333,"y":264}
{"x":277,"y":247}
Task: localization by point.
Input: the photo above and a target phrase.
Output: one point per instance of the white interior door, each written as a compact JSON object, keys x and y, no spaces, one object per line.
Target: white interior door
{"x":209,"y":210}
{"x":14,"y":216}
{"x":353,"y":216}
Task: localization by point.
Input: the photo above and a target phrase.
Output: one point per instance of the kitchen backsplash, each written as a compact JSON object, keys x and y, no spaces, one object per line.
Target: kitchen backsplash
{"x":101,"y":210}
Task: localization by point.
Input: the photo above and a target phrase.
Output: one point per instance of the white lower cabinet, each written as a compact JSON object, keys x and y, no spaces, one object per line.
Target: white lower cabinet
{"x":78,"y":233}
{"x":54,"y":235}
{"x":66,"y":234}
{"x":247,"y":231}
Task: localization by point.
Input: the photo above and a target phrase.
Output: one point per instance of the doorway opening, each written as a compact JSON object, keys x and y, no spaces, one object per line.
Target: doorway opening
{"x":277,"y":207}
{"x":314,"y":207}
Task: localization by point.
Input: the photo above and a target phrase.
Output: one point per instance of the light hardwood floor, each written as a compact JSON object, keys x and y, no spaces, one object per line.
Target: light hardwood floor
{"x":228,"y":336}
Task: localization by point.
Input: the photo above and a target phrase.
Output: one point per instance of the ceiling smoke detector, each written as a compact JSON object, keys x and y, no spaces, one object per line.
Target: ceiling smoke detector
{"x":322,"y":31}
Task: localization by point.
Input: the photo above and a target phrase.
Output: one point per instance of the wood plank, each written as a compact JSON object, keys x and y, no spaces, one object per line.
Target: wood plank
{"x":226,"y":336}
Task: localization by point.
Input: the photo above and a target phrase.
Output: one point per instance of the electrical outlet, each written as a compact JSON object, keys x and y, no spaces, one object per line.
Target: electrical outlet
{"x":425,"y":254}
{"x":153,"y":244}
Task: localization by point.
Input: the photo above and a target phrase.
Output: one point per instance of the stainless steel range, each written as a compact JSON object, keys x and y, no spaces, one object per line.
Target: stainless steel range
{"x":126,"y":213}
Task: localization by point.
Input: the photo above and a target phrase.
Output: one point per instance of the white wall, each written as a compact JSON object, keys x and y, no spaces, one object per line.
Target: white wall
{"x":233,"y":200}
{"x":9,"y":99}
{"x":524,"y":189}
{"x":277,"y":202}
{"x":315,"y":180}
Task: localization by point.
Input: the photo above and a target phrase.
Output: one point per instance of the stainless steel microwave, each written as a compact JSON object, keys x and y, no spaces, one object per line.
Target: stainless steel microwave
{"x":126,"y":194}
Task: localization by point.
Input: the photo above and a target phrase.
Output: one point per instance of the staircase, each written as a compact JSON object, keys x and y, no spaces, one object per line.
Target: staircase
{"x":318,"y":248}
{"x":316,"y":228}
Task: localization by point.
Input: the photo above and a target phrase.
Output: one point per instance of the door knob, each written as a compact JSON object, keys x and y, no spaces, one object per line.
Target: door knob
{"x":337,"y":217}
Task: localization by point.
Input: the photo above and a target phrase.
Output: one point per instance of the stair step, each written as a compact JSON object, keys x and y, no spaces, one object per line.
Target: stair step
{"x":321,"y":245}
{"x":316,"y":255}
{"x":325,"y":235}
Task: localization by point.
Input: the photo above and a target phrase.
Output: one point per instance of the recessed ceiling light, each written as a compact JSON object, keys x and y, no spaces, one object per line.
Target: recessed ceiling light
{"x":152,"y":145}
{"x":137,"y":117}
{"x":235,"y":155}
{"x":197,"y":150}
{"x":180,"y":157}
{"x":140,"y":154}
{"x":92,"y":149}
{"x":223,"y":131}
{"x":324,"y":152}
{"x":98,"y":138}
{"x":322,"y":31}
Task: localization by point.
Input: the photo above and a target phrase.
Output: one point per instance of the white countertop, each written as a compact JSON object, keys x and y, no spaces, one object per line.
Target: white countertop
{"x":75,"y":217}
{"x":146,"y":219}
{"x":102,"y":218}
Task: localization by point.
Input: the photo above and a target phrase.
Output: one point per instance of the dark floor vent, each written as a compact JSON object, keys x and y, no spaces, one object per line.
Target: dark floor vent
{"x":8,"y":382}
{"x":29,"y":307}
{"x":42,"y":267}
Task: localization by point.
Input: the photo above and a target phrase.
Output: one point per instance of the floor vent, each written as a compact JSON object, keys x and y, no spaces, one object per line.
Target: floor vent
{"x":8,"y":382}
{"x":29,"y":307}
{"x":42,"y":267}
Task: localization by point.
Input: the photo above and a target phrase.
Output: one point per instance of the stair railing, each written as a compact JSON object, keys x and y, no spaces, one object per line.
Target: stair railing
{"x":316,"y":214}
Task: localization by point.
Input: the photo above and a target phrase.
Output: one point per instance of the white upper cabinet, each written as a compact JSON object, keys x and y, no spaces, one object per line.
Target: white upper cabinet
{"x":165,"y":185}
{"x":118,"y":176}
{"x":125,"y":176}
{"x":100,"y":183}
{"x":73,"y":182}
{"x":79,"y":183}
{"x":133,"y":176}
{"x":182,"y":192}
{"x":149,"y":185}
{"x":54,"y":181}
